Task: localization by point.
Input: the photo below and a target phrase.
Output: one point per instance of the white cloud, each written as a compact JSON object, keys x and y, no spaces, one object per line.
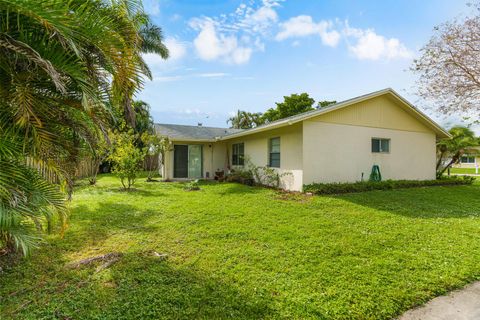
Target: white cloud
{"x":212,"y":75}
{"x":153,"y":59}
{"x":211,"y":45}
{"x":176,"y":48}
{"x":232,"y":38}
{"x":372,"y":46}
{"x":302,"y":26}
{"x":258,"y":21}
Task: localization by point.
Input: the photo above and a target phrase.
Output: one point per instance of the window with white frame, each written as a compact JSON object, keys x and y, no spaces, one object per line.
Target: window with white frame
{"x":380,"y":145}
{"x":467,"y":159}
{"x":274,"y":153}
{"x":238,"y":154}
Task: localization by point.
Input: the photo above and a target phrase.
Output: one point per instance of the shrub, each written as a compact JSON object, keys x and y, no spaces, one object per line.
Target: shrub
{"x":126,"y":158}
{"x":338,"y":188}
{"x":253,"y":174}
{"x":193,"y":185}
{"x":241,"y":176}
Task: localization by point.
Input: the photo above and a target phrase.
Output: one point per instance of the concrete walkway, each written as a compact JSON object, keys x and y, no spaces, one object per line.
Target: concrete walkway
{"x":461,"y":304}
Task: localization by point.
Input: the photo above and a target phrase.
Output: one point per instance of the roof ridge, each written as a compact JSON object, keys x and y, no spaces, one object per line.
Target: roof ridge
{"x":197,"y":126}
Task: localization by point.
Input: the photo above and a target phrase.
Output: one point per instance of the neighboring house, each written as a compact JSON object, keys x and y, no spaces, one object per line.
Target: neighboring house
{"x":469,"y":160}
{"x":338,"y":143}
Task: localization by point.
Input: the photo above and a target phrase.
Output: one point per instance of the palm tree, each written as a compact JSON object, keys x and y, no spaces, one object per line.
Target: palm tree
{"x":462,"y":142}
{"x":66,"y":67}
{"x":245,"y":120}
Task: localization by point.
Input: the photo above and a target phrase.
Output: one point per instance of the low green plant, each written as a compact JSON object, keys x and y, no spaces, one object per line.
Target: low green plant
{"x":193,"y":185}
{"x":338,"y":188}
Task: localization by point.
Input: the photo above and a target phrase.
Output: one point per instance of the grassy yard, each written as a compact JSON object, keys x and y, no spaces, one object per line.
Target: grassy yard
{"x":462,"y":170}
{"x":241,"y":252}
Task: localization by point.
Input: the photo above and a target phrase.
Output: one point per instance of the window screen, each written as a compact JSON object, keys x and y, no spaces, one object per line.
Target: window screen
{"x":238,"y":154}
{"x":274,"y":156}
{"x":380,"y":145}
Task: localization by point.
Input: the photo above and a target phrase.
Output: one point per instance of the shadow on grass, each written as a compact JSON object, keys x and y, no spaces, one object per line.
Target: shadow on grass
{"x":136,"y":287}
{"x":94,"y":225}
{"x":148,"y":287}
{"x":428,"y":202}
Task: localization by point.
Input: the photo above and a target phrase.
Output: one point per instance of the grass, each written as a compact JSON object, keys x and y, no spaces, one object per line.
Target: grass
{"x":463,"y":170}
{"x":243,"y":252}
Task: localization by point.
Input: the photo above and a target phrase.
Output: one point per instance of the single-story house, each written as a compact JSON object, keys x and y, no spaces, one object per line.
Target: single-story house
{"x":338,"y":143}
{"x":470,"y":159}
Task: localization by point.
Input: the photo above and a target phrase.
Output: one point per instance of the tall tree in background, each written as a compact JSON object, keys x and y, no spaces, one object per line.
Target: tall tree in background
{"x":292,"y":105}
{"x":245,"y":120}
{"x":65,"y":67}
{"x":449,"y":67}
{"x":143,"y":122}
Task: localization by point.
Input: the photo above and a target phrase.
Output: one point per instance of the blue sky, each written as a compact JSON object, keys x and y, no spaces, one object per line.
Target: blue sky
{"x":229,"y":55}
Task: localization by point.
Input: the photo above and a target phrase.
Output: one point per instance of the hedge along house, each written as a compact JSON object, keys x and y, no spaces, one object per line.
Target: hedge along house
{"x":338,"y":143}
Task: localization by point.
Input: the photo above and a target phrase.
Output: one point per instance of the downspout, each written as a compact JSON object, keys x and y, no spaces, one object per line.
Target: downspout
{"x":212,"y":173}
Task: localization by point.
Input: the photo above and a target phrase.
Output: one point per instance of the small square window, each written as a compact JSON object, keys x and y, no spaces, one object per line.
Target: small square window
{"x":380,"y":145}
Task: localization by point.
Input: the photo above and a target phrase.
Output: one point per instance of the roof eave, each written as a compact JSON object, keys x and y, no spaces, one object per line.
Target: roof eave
{"x":439,"y":131}
{"x":186,"y":139}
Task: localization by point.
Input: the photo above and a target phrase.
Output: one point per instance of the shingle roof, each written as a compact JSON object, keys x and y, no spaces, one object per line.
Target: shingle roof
{"x":183,"y":132}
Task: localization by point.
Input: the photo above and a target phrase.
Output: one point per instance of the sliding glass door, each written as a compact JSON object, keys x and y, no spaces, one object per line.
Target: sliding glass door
{"x":187,"y":161}
{"x":194,"y":161}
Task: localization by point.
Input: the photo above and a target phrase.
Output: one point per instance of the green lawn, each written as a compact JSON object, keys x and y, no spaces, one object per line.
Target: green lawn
{"x":241,"y":252}
{"x":462,"y":170}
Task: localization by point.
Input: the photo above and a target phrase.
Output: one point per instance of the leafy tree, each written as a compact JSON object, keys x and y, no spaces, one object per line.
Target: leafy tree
{"x":65,"y":68}
{"x":155,"y":146}
{"x":292,"y":105}
{"x":126,"y":158}
{"x":449,"y":68}
{"x":451,"y":150}
{"x":245,"y":120}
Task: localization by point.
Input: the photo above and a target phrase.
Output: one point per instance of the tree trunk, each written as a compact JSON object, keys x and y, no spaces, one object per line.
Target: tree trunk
{"x":454,"y":160}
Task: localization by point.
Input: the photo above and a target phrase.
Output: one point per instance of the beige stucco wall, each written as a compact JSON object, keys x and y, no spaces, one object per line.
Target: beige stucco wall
{"x":379,"y":112}
{"x":256,"y":149}
{"x":337,"y":145}
{"x":214,"y":158}
{"x":340,"y":153}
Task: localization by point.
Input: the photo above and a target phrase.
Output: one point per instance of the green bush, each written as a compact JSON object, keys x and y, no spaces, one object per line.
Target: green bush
{"x":338,"y":188}
{"x":241,"y":176}
{"x":126,"y":158}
